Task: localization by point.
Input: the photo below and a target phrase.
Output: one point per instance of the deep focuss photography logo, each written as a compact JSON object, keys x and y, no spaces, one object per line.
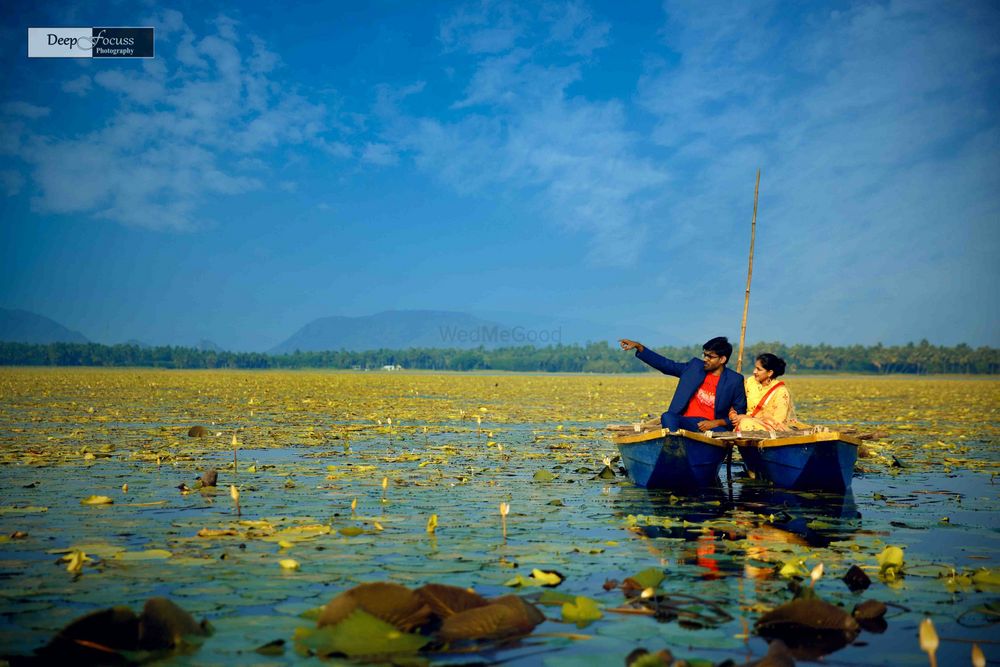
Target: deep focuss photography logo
{"x":90,"y":43}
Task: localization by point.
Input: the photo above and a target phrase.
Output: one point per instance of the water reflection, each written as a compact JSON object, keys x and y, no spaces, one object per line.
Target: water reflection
{"x":817,"y":518}
{"x":742,"y":529}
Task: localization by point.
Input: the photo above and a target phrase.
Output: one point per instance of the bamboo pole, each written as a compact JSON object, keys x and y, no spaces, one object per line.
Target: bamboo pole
{"x":746,"y":297}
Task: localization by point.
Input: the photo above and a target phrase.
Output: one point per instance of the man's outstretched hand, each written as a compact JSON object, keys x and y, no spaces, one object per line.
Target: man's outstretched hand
{"x":631,"y":345}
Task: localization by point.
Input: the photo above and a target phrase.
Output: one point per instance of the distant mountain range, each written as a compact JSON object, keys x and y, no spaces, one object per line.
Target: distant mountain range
{"x":392,"y":329}
{"x":21,"y":326}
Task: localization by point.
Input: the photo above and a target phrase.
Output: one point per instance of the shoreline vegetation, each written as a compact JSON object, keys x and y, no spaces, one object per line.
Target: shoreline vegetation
{"x":913,"y":358}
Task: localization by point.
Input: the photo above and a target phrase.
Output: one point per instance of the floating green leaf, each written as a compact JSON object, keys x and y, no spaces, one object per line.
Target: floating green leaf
{"x":537,"y":578}
{"x":583,"y":611}
{"x":651,"y":577}
{"x":555,"y":598}
{"x":359,"y":634}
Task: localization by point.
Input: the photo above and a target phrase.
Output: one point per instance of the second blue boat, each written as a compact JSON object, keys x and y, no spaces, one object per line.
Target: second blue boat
{"x":813,"y":462}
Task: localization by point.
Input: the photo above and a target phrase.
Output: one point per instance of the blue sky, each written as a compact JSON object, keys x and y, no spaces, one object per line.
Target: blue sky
{"x":587,"y":161}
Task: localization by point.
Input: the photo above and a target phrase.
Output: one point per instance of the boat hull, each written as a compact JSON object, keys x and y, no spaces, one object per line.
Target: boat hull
{"x":818,"y":462}
{"x":680,"y":460}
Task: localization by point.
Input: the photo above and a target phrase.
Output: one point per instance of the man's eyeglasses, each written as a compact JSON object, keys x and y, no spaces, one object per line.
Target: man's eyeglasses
{"x":711,"y":356}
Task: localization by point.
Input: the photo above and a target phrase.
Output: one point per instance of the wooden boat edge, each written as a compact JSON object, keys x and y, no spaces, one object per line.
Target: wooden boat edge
{"x":662,"y":433}
{"x":812,"y":438}
{"x":807,"y":439}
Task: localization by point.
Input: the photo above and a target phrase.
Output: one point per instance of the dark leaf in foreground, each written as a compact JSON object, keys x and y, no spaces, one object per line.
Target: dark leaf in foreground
{"x":104,"y":631}
{"x":392,"y":603}
{"x":444,"y":601}
{"x":870,"y":615}
{"x":869,"y":610}
{"x":210,"y":477}
{"x":778,"y":655}
{"x":276,"y":647}
{"x":117,"y":636}
{"x":856,"y":579}
{"x":640,"y":657}
{"x":810,"y":628}
{"x":507,"y":616}
{"x":164,"y":625}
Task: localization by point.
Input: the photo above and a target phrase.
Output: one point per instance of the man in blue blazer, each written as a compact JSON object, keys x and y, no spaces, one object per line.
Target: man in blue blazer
{"x":706,"y":389}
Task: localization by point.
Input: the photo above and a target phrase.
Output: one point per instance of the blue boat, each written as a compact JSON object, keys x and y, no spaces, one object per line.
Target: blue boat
{"x":813,"y":462}
{"x":662,"y":459}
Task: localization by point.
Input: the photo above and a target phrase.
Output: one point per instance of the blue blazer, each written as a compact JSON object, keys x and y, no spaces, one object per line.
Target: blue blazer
{"x":729,"y":394}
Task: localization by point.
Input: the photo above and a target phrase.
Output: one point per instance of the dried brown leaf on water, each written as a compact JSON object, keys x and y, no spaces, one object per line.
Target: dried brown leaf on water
{"x":856,"y":579}
{"x":106,"y":630}
{"x":276,"y":647}
{"x":778,"y":655}
{"x":506,"y":616}
{"x":445,"y":601}
{"x":870,"y":615}
{"x":392,"y":603}
{"x":99,"y":637}
{"x":811,"y":614}
{"x":810,"y":627}
{"x":164,"y":625}
{"x":869,"y":610}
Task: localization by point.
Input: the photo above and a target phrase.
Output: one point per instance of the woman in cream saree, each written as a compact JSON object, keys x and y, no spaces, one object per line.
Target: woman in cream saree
{"x":769,"y":403}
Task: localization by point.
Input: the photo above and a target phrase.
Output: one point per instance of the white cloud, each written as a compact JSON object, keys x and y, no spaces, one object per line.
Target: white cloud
{"x":380,"y":154}
{"x":490,"y":27}
{"x":573,"y":24}
{"x":81,"y":85}
{"x":186,"y":129}
{"x":24,"y":109}
{"x":517,"y":128}
{"x":866,"y":123}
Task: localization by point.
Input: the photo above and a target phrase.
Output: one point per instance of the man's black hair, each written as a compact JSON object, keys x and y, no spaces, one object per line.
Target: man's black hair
{"x":721,"y":346}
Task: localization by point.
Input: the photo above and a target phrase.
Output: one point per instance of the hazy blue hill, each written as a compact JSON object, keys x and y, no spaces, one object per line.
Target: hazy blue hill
{"x":206,"y":345}
{"x":399,"y":329}
{"x":21,"y":326}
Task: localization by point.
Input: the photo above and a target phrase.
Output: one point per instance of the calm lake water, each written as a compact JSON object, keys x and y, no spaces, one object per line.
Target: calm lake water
{"x":720,"y":551}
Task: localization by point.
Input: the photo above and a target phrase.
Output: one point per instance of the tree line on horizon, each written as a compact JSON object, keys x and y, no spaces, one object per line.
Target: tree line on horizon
{"x":919,"y":358}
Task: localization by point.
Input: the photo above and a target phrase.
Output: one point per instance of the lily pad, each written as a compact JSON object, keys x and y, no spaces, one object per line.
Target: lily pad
{"x":651,"y":577}
{"x":583,"y":611}
{"x":359,"y":634}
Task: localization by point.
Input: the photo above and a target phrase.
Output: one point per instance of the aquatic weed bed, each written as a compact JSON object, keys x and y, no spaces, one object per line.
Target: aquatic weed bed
{"x":311,"y":445}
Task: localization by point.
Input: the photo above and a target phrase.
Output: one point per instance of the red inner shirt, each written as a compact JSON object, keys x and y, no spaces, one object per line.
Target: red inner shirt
{"x":702,"y":404}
